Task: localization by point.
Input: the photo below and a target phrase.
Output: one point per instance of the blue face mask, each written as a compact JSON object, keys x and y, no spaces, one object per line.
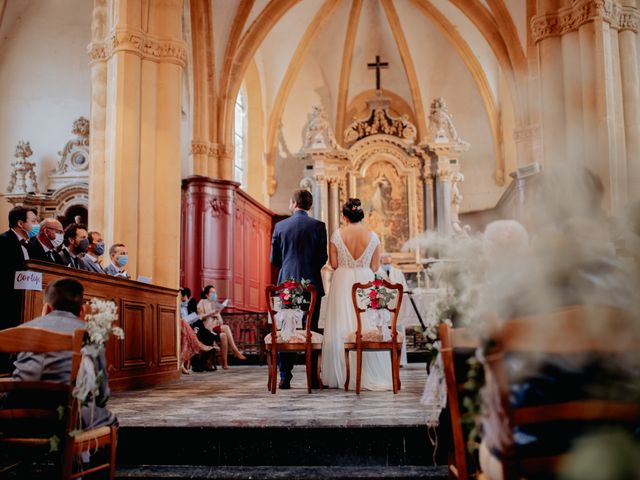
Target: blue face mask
{"x":35,"y":229}
{"x":386,"y":267}
{"x":213,"y":296}
{"x":122,"y":260}
{"x":99,"y":248}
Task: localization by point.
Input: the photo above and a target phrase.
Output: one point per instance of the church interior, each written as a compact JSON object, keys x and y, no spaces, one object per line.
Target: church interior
{"x":494,"y":147}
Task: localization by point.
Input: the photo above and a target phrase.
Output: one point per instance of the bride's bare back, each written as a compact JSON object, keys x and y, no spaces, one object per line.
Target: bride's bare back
{"x":356,"y":238}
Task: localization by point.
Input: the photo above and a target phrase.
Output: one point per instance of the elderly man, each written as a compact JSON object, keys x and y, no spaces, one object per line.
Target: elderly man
{"x":51,"y":236}
{"x":119,"y":260}
{"x":395,"y":275}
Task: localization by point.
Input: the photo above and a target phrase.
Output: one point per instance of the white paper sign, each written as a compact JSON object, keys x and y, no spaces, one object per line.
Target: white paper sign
{"x":26,"y":280}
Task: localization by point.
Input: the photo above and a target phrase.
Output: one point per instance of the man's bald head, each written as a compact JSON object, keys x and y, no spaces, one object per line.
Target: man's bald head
{"x":49,"y":229}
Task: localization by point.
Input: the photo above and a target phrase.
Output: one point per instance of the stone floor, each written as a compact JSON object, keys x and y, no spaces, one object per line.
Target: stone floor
{"x":238,"y":397}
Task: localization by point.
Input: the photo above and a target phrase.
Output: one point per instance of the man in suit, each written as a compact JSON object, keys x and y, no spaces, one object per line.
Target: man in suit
{"x":94,"y":252}
{"x":299,"y":249}
{"x":62,"y":312}
{"x":119,"y":260}
{"x":76,"y":244}
{"x":43,"y":247}
{"x":23,"y":225}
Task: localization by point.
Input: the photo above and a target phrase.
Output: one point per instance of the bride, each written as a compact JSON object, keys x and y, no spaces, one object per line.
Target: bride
{"x":354,"y":254}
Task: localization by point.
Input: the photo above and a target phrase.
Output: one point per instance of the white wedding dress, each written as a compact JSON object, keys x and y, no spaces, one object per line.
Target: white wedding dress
{"x":340,"y":320}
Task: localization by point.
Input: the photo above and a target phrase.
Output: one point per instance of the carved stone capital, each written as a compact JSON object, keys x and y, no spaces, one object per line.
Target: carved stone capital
{"x":199,"y":147}
{"x":526,"y":134}
{"x":145,"y":45}
{"x":571,"y":18}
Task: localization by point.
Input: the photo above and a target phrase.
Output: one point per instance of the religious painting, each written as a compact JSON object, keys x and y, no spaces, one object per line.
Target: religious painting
{"x":385,"y":201}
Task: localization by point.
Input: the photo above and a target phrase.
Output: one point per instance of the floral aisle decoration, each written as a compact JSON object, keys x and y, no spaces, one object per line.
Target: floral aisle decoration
{"x":460,"y":273}
{"x":376,"y":300}
{"x":99,"y":328}
{"x":290,"y":313}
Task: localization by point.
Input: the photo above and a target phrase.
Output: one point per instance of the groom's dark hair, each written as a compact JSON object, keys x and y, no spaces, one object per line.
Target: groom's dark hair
{"x":303,"y":199}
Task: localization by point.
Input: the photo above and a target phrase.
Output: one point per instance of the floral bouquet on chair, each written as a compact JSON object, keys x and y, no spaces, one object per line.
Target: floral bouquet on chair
{"x":376,"y":300}
{"x":292,"y":300}
{"x":98,"y":330}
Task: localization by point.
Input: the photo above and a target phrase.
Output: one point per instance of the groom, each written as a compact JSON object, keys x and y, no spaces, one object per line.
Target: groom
{"x":299,"y":250}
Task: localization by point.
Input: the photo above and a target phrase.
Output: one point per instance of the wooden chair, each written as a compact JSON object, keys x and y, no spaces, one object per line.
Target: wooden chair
{"x":571,"y":335}
{"x":312,"y":340}
{"x":373,"y":341}
{"x":28,"y":428}
{"x":450,"y":340}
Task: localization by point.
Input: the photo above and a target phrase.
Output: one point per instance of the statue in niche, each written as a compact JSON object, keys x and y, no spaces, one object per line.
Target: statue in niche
{"x":381,"y":195}
{"x":456,"y":201}
{"x":318,"y":133}
{"x":23,"y":177}
{"x":441,"y":129}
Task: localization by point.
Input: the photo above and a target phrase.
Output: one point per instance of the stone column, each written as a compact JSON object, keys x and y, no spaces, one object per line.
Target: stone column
{"x":429,"y":202}
{"x":589,"y":89}
{"x":630,"y":76}
{"x":443,"y":202}
{"x":202,"y":65}
{"x":323,"y":200}
{"x":137,"y":198}
{"x":334,"y":205}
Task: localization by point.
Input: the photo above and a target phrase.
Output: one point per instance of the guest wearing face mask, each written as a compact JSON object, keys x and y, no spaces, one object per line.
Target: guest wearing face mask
{"x":23,"y":225}
{"x":76,"y":243}
{"x":94,"y":252}
{"x":209,"y":313}
{"x":44,"y":246}
{"x":119,"y":260}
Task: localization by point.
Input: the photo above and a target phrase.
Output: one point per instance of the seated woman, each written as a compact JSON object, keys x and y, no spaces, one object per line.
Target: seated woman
{"x":209,"y":310}
{"x":189,"y":343}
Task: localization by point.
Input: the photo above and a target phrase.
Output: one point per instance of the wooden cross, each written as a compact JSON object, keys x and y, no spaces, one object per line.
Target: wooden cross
{"x":378,"y":66}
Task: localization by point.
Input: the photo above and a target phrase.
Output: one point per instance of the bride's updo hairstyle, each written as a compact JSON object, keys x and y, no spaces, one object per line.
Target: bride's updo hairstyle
{"x":352,"y":210}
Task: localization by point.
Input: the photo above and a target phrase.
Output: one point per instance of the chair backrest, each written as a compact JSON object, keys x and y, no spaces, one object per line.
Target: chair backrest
{"x":395,"y":310}
{"x":273,"y":291}
{"x":27,"y":420}
{"x":450,"y":340}
{"x":572,"y":330}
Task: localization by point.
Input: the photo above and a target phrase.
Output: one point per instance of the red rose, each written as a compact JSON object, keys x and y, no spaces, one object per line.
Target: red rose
{"x":372,"y":294}
{"x":375,"y":304}
{"x":377,"y":283}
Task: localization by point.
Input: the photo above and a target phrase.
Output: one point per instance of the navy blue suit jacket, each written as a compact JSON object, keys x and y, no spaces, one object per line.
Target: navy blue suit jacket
{"x":299,"y":249}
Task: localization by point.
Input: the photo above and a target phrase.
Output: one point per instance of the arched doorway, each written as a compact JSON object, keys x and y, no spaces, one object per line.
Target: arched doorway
{"x":79,"y":211}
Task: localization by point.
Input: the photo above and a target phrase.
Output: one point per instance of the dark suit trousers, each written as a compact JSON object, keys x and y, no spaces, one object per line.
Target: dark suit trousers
{"x":286,"y":360}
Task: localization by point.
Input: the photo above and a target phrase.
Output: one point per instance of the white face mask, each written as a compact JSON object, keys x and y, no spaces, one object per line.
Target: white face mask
{"x":56,"y":242}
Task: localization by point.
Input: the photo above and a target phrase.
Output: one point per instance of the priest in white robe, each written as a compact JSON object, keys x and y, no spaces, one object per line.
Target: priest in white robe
{"x":395,"y":275}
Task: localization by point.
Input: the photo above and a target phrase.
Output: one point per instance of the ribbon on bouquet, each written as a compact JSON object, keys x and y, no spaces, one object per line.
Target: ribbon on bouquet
{"x":381,"y":318}
{"x":288,"y":320}
{"x":86,"y":380}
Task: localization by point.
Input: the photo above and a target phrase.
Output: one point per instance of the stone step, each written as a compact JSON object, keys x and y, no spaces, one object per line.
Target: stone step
{"x":158,"y":472}
{"x":298,"y":446}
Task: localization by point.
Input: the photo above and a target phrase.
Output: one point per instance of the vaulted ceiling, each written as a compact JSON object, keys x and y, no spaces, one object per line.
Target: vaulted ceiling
{"x":333,"y":40}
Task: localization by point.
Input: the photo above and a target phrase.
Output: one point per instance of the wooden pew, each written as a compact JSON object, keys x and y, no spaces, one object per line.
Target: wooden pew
{"x":148,"y":314}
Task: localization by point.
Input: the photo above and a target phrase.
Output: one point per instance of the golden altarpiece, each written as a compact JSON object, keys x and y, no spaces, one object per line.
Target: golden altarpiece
{"x":406,"y":185}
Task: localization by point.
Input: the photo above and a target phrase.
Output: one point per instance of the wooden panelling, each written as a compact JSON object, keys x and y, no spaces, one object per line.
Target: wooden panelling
{"x":135,"y":352}
{"x":147,"y":314}
{"x":168,"y":336}
{"x":232,"y":238}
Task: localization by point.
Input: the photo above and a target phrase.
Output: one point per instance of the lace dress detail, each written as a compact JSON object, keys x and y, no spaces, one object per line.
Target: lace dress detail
{"x":341,"y":321}
{"x":345,"y":260}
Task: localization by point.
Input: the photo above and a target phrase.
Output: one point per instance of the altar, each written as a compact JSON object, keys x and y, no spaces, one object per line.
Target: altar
{"x":408,"y":181}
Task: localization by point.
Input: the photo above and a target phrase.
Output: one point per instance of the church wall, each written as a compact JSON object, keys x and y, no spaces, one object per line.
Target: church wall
{"x":44,"y":80}
{"x":308,"y":90}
